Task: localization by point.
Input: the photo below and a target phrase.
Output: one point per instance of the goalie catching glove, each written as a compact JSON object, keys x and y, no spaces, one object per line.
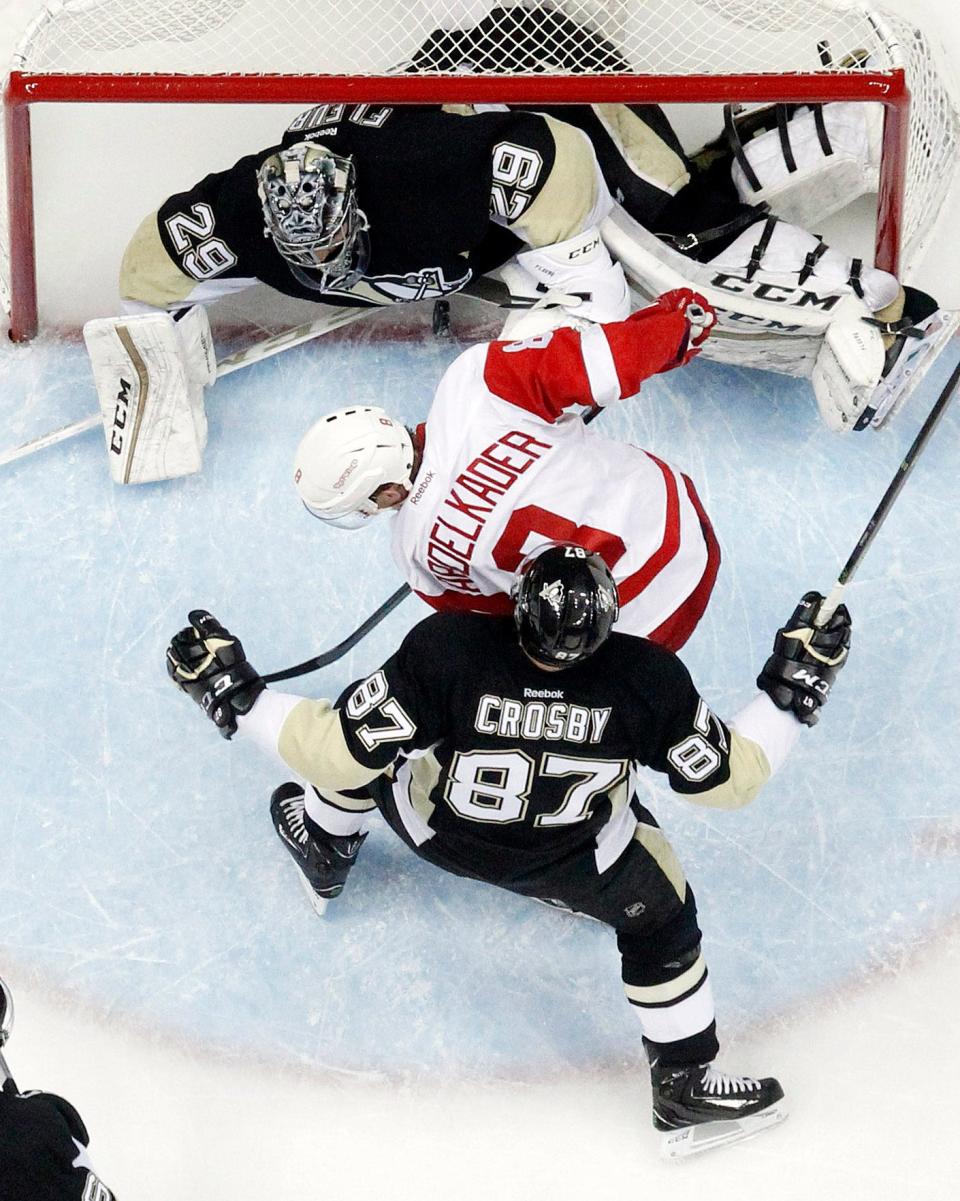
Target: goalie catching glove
{"x":806,"y":658}
{"x":205,"y":661}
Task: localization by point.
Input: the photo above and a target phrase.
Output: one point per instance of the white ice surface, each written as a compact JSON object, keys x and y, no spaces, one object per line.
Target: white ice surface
{"x":431,"y":1032}
{"x":433,"y":1038}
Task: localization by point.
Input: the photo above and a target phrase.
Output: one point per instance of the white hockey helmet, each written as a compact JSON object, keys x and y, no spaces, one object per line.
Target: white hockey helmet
{"x":345,"y":457}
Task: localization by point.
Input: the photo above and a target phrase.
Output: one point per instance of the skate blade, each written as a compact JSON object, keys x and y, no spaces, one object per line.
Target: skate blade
{"x":318,"y":904}
{"x":890,"y":395}
{"x":692,"y":1140}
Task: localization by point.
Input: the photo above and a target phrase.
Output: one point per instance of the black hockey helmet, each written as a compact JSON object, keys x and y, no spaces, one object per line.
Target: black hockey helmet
{"x":564,"y":604}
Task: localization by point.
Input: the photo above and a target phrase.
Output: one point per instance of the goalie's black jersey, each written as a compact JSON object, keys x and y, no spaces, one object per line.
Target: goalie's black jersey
{"x":512,"y":768}
{"x":424,"y":182}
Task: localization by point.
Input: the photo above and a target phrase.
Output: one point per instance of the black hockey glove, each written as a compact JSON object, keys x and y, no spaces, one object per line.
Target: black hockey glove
{"x":207,"y":662}
{"x":42,"y":1138}
{"x":799,"y":674}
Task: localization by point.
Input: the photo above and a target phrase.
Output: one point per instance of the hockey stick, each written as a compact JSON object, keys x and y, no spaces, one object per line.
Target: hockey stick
{"x":6,"y":1025}
{"x":265,"y":348}
{"x":338,"y":651}
{"x":829,"y":606}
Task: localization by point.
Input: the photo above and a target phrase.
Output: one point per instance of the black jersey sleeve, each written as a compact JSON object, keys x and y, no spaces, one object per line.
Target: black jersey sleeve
{"x":215,"y":229}
{"x":684,"y":739}
{"x":399,"y":708}
{"x":704,"y":759}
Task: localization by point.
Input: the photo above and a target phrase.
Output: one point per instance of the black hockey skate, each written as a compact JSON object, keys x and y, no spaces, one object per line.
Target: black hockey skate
{"x":700,"y":1108}
{"x":918,"y":338}
{"x":324,"y":860}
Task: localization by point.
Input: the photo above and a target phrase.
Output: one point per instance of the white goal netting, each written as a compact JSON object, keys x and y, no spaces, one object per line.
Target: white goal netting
{"x":630,"y":37}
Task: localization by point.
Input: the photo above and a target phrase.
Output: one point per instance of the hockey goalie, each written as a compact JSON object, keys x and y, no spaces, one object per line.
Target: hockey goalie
{"x":731,"y":222}
{"x":370,"y":205}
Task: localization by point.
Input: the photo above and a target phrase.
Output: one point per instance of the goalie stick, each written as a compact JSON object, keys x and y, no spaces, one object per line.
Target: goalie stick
{"x":494,"y":293}
{"x":262,"y":349}
{"x":831,"y":603}
{"x":338,"y":651}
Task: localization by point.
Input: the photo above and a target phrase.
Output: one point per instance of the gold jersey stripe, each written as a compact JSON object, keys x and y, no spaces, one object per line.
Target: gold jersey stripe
{"x":148,"y":274}
{"x":661,"y":994}
{"x":749,"y":771}
{"x":569,"y":195}
{"x":312,"y":743}
{"x":654,"y":842}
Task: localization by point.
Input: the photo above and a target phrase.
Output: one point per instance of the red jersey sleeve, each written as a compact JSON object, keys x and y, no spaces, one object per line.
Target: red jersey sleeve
{"x":553,"y":371}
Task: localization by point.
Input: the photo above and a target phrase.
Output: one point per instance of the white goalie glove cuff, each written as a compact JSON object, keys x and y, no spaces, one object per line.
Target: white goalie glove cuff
{"x":150,"y":377}
{"x":588,"y":283}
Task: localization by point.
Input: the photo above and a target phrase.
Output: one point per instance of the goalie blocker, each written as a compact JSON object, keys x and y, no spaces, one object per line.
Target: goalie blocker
{"x":150,"y":371}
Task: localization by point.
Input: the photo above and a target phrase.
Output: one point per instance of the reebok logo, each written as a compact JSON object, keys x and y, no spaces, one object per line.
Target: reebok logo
{"x":348,"y":471}
{"x":544,"y":694}
{"x":422,"y":487}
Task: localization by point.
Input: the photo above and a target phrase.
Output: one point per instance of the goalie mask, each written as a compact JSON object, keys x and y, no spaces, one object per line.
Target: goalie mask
{"x":345,"y":457}
{"x":309,"y":200}
{"x":564,"y":604}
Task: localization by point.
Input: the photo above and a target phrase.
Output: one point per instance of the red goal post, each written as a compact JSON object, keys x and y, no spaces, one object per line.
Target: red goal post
{"x":283,"y":52}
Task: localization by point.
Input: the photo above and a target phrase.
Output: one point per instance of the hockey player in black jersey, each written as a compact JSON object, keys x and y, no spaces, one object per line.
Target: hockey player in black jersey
{"x":372,"y":205}
{"x":43,"y":1140}
{"x":366,"y":205}
{"x":506,"y":750}
{"x":358,"y":206}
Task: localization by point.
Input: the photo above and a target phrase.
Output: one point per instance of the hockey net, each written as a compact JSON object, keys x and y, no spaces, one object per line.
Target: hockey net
{"x":285,"y":52}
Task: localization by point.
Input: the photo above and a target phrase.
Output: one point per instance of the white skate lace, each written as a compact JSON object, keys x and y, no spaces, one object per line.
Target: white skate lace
{"x":721,"y":1084}
{"x":293,"y":816}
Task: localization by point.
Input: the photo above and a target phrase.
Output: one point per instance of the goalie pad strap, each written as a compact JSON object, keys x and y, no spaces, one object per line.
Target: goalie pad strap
{"x":736,"y":148}
{"x":904,"y":326}
{"x":856,"y":270}
{"x":810,"y":262}
{"x":821,"y":127}
{"x":785,"y":148}
{"x":761,"y":247}
{"x":688,"y":242}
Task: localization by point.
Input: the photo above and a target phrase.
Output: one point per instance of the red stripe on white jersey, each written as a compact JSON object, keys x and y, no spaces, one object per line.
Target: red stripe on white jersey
{"x":550,"y":372}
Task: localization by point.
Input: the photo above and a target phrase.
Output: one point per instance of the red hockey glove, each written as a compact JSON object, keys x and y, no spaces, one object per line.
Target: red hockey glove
{"x":697,"y":309}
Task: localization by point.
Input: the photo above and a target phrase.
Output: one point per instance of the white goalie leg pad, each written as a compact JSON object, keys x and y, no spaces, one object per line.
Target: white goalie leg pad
{"x":150,"y":379}
{"x":767,"y":318}
{"x":773,"y":328}
{"x":848,"y":367}
{"x":795,"y":259}
{"x":581,"y":265}
{"x":829,"y":165}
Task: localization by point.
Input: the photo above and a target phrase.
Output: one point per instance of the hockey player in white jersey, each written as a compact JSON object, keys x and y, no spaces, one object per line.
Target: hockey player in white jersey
{"x":504,"y":464}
